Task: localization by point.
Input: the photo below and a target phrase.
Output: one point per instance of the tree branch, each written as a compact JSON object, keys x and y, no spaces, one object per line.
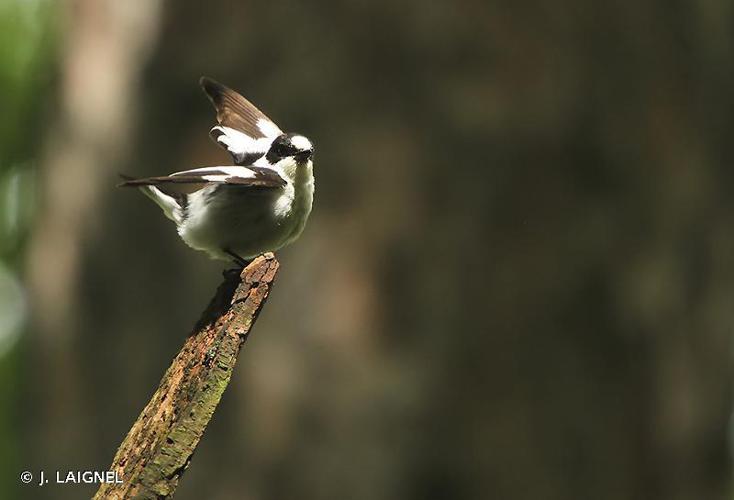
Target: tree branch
{"x":159,"y":446}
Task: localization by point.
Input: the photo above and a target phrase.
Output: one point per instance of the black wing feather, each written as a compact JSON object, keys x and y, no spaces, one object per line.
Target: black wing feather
{"x":233,"y":110}
{"x":264,"y":178}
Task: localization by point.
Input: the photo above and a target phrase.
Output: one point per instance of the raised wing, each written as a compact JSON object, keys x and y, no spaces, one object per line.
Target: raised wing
{"x":243,"y":129}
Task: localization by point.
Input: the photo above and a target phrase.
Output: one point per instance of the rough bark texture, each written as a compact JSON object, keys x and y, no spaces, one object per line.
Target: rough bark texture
{"x":159,"y":446}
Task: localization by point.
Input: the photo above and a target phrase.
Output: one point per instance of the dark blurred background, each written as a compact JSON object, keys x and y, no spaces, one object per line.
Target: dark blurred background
{"x":516,"y":283}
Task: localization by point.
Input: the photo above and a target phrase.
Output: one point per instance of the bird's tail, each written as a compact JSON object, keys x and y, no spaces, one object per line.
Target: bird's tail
{"x":168,"y":203}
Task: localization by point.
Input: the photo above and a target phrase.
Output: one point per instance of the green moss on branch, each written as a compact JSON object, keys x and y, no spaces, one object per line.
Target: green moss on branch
{"x":159,"y":446}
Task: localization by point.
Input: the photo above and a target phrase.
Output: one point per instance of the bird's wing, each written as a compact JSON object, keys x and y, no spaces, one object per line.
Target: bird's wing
{"x":243,"y":129}
{"x":189,"y":181}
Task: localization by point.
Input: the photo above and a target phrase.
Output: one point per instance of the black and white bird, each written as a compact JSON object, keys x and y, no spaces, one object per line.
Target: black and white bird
{"x":259,"y":204}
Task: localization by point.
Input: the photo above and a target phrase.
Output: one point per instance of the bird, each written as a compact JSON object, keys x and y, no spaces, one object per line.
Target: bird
{"x":236,"y":212}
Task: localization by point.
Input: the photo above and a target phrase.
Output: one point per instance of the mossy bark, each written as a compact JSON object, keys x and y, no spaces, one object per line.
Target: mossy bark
{"x":159,"y":446}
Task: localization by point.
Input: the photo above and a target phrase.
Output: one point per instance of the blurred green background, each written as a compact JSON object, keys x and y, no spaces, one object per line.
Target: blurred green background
{"x":517,"y":281}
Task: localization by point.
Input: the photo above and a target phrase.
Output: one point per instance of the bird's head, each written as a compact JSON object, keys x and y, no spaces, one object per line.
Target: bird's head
{"x":293,"y":146}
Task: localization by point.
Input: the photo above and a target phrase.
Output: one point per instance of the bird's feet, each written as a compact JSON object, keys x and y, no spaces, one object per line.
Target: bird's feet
{"x":239,"y":261}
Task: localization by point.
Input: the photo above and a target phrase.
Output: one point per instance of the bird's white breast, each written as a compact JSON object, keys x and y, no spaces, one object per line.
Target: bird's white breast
{"x":249,"y":223}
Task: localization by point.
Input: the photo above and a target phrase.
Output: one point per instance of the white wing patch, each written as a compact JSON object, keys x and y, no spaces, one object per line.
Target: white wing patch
{"x":269,"y":129}
{"x":239,"y":144}
{"x":226,"y":171}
